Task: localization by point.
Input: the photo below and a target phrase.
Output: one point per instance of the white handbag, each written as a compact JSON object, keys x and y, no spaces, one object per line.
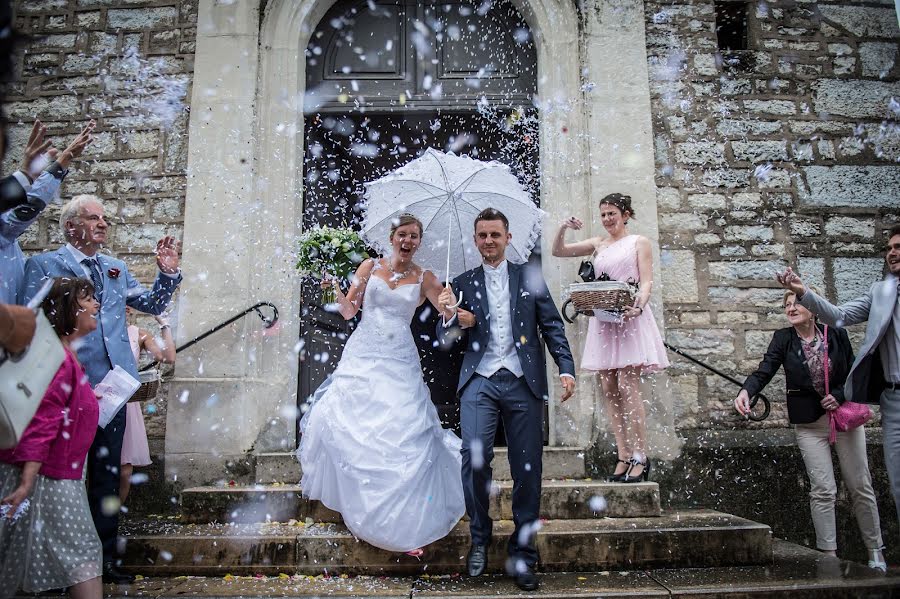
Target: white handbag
{"x":24,"y":379}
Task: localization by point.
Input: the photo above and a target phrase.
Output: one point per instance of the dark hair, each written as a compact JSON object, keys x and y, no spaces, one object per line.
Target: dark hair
{"x":894,"y":230}
{"x":492,"y":214}
{"x":403,"y":220}
{"x":620,"y":201}
{"x":61,"y":304}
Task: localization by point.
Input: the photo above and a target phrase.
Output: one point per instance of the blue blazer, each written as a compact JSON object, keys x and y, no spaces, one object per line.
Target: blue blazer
{"x":534,"y":317}
{"x":108,"y":345}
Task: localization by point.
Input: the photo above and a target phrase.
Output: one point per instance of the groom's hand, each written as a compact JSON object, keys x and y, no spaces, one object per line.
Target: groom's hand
{"x":568,"y":384}
{"x":466,"y":318}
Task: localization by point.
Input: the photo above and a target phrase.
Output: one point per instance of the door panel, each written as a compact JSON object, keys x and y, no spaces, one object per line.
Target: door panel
{"x":335,"y":171}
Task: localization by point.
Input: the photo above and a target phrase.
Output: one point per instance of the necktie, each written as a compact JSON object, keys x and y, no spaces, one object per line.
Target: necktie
{"x":96,"y":276}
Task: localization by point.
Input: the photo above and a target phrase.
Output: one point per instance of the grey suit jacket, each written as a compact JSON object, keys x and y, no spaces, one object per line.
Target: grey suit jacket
{"x":865,"y":383}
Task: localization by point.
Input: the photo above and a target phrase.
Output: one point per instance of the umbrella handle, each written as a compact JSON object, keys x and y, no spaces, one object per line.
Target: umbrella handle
{"x":458,"y":302}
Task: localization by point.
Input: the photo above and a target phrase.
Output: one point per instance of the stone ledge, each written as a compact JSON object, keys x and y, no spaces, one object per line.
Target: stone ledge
{"x":688,"y":538}
{"x":558,"y":463}
{"x":577,"y":499}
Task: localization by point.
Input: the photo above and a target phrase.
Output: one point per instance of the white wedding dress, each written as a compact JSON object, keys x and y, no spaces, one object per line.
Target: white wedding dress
{"x":372,"y":446}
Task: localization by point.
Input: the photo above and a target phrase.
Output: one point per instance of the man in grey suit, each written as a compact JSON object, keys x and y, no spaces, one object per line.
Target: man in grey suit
{"x":875,"y":374}
{"x":83,"y":224}
{"x":507,"y":311}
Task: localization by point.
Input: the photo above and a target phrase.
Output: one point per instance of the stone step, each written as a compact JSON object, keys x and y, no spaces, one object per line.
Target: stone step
{"x":560,"y":500}
{"x":690,"y":538}
{"x":558,"y":463}
{"x":796,"y":573}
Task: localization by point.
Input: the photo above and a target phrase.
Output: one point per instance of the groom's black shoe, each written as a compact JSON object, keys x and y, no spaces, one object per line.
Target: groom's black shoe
{"x":527,"y":580}
{"x":476,"y":561}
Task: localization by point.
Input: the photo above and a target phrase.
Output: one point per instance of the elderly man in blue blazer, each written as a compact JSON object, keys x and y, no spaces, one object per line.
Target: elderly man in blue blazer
{"x":875,"y":374}
{"x":506,"y":312}
{"x":83,"y":224}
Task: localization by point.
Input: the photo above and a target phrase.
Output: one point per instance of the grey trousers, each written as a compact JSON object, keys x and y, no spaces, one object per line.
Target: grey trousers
{"x":850,"y":446}
{"x":890,"y":429}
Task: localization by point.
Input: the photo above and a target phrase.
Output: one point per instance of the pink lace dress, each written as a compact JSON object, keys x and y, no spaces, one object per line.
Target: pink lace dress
{"x":637,"y":341}
{"x":135,"y":450}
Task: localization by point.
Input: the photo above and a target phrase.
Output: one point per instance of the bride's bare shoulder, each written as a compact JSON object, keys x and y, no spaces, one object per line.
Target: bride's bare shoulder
{"x":365,"y":268}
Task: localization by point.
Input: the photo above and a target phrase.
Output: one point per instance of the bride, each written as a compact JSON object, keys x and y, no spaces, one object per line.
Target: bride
{"x":372,"y":446}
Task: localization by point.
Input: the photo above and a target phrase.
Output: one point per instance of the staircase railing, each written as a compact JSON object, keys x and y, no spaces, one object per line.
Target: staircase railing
{"x":753,"y":400}
{"x":269,"y":322}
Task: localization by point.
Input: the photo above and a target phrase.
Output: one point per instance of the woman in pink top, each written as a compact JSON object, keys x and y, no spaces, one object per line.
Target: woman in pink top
{"x":621,"y":352}
{"x":48,"y":539}
{"x":135,"y":449}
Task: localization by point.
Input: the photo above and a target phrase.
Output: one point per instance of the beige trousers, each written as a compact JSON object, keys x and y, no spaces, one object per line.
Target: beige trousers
{"x":812,"y":439}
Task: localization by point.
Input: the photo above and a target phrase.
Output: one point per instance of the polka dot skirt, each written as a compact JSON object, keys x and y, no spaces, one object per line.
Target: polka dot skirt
{"x":54,"y":543}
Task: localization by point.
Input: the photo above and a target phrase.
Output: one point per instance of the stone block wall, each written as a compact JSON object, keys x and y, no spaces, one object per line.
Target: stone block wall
{"x":127,"y":64}
{"x":786,"y":153}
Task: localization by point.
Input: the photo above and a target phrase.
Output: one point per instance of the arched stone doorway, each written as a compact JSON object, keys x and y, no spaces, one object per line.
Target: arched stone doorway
{"x":236,"y":393}
{"x":388,"y":80}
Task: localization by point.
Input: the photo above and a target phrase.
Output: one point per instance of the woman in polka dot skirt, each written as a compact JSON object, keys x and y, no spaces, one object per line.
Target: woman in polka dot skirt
{"x":47,"y":537}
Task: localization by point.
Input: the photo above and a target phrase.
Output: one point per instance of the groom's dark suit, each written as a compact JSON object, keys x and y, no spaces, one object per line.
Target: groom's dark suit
{"x":490,"y":390}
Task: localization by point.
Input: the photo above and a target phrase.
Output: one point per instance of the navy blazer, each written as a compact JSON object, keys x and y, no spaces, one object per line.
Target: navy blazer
{"x":803,"y":401}
{"x":534,"y":317}
{"x":108,"y":345}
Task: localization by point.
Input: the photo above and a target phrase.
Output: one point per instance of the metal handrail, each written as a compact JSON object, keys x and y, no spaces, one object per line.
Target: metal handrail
{"x":269,"y":322}
{"x":753,"y":400}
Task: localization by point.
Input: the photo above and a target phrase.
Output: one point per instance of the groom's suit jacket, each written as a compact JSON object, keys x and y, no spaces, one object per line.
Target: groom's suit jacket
{"x":534,"y":317}
{"x":108,"y":345}
{"x":866,"y":381}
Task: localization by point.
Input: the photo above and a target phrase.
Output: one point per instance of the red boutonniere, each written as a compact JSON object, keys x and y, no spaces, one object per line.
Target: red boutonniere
{"x":113,"y":273}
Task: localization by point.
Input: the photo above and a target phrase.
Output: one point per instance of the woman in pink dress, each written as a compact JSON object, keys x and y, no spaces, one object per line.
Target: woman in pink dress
{"x":620,"y":352}
{"x":47,"y":539}
{"x":135,"y":449}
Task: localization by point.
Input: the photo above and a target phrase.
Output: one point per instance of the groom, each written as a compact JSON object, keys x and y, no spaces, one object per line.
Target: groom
{"x":506,"y":311}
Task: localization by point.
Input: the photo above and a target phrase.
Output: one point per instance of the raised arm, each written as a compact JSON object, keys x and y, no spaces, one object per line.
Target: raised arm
{"x":351,"y":302}
{"x":853,"y":312}
{"x":561,"y":249}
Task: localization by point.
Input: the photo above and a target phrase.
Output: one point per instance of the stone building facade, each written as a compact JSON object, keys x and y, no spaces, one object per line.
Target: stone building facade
{"x":740,"y":162}
{"x":786,"y":153}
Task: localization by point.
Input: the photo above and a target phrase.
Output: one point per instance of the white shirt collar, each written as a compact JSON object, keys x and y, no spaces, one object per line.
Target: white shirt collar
{"x":78,"y":254}
{"x":500,"y":269}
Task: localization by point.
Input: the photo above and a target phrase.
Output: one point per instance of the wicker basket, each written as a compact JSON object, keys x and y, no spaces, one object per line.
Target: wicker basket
{"x":149,"y":386}
{"x":611,"y":296}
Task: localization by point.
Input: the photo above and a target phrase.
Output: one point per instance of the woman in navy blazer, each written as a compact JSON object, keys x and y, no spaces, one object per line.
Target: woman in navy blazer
{"x":800,"y":349}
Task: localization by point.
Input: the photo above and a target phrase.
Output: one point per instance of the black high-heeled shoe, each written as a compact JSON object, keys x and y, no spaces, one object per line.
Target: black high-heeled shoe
{"x":617,"y":478}
{"x":643,"y":476}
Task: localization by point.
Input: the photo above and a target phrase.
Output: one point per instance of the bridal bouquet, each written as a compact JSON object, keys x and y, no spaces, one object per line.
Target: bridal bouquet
{"x":334,"y":251}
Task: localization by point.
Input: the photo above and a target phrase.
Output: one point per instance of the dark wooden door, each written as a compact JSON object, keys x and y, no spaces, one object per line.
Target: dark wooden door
{"x":335,"y":171}
{"x":386,"y":80}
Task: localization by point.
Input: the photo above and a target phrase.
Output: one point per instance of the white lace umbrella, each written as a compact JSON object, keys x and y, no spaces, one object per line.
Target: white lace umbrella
{"x":446,"y":192}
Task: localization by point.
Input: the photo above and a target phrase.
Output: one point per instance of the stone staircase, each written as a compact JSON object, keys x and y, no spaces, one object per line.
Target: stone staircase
{"x":271,"y":529}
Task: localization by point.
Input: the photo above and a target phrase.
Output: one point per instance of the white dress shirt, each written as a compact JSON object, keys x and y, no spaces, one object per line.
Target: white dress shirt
{"x":889,"y":347}
{"x":79,"y":257}
{"x":501,"y":349}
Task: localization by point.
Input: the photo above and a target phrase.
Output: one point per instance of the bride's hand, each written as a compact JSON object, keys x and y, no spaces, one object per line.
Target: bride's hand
{"x":327,"y":281}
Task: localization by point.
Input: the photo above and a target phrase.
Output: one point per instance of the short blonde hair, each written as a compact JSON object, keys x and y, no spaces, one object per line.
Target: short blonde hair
{"x":72,"y":210}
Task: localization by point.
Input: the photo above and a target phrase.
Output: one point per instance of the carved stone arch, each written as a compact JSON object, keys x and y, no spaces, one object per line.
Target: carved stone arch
{"x":244,"y":200}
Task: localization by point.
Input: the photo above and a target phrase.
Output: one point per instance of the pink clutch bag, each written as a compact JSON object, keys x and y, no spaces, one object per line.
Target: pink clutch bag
{"x":849,"y":414}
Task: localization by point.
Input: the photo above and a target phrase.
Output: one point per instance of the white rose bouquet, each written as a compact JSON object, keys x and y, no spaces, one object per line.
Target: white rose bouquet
{"x":337,"y":252}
